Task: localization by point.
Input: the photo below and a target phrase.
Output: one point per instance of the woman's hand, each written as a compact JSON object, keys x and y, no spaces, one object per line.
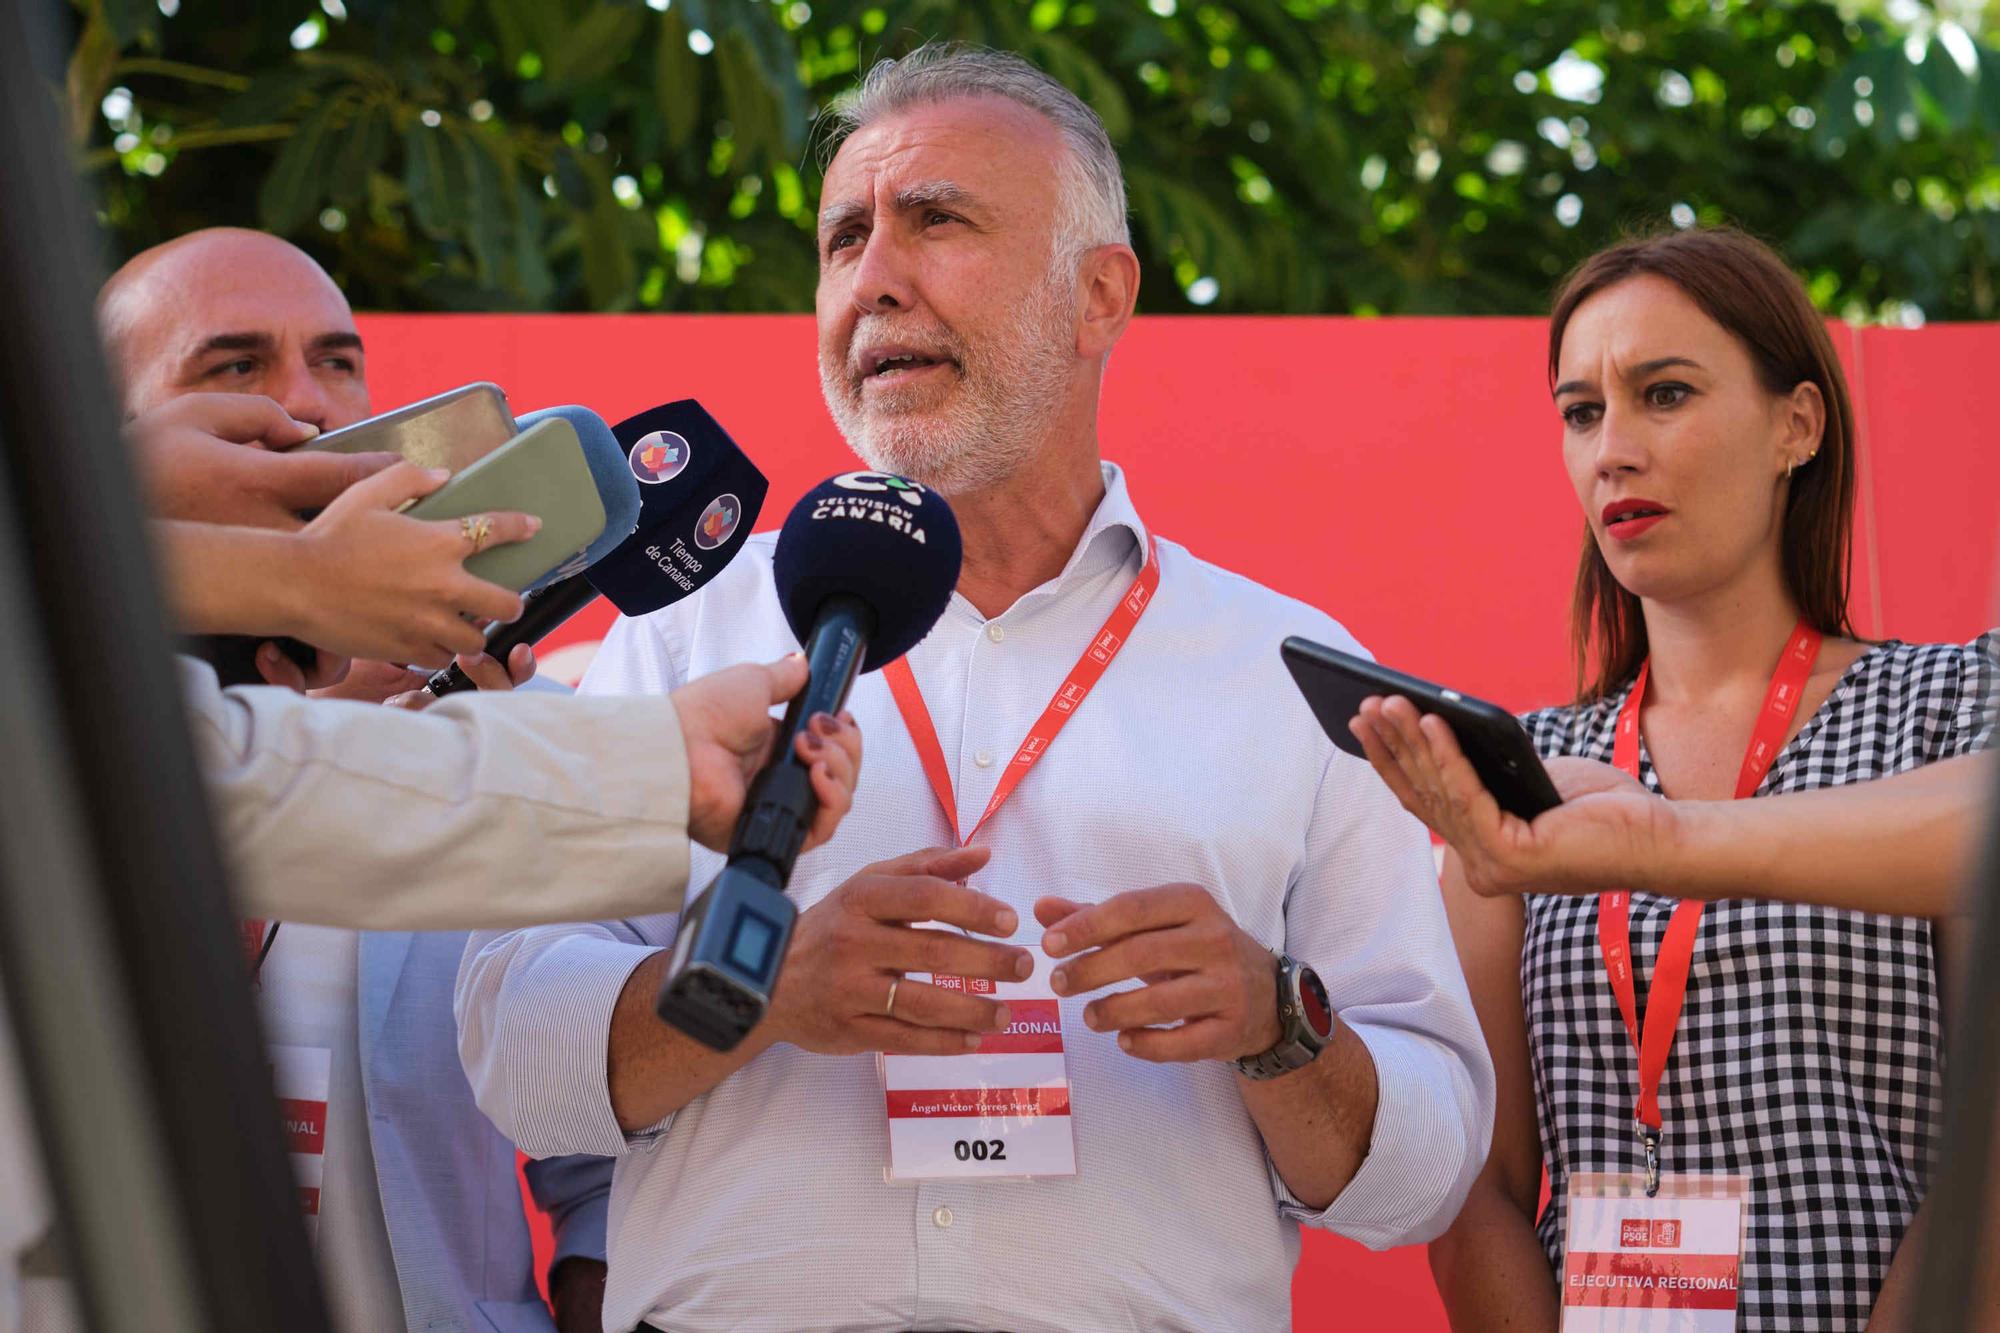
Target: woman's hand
{"x":376,"y":584}
{"x":727,"y":728}
{"x":1607,"y":827}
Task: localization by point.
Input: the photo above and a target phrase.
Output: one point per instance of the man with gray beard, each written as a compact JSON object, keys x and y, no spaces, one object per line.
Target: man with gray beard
{"x":1188,"y":909}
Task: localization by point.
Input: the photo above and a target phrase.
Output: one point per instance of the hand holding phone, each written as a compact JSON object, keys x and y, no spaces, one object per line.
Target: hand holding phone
{"x":1499,"y":751}
{"x":371,"y":582}
{"x":452,"y":430}
{"x":542,"y":470}
{"x":1607,"y":827}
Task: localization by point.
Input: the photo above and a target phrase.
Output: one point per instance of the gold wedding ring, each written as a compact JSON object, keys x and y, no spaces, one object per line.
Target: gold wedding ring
{"x":890,"y":1007}
{"x":476,"y":530}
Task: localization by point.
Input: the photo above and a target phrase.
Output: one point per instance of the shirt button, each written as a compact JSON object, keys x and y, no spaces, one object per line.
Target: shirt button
{"x":942,"y":1217}
{"x":984,"y":759}
{"x":994,"y":632}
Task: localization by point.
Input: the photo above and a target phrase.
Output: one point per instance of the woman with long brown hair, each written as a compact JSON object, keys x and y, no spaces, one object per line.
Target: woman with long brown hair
{"x":1734,"y":1101}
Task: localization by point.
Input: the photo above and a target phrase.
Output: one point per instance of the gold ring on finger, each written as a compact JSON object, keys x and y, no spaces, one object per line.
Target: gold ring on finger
{"x":476,"y":530}
{"x":890,"y":1007}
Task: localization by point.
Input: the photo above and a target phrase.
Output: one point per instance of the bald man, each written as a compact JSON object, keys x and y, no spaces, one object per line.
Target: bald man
{"x":417,"y":1217}
{"x":228,"y":310}
{"x":233,"y":311}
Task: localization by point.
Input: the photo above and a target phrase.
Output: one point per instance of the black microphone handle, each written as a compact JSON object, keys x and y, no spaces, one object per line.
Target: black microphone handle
{"x":780,"y":805}
{"x":540,"y":617}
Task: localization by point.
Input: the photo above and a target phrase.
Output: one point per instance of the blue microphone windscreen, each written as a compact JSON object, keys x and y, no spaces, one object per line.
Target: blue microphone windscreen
{"x":886,"y":540}
{"x":615,"y":485}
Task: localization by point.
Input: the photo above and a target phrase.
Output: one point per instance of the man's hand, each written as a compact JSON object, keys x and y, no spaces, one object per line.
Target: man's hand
{"x":377,"y":584}
{"x":1607,"y":822}
{"x":727,"y":728}
{"x":848,"y":949}
{"x":401,"y":687}
{"x":192,"y":454}
{"x":486,"y":674}
{"x":1210,"y":992}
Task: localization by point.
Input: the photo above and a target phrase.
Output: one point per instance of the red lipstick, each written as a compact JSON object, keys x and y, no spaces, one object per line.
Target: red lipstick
{"x":1630,"y":518}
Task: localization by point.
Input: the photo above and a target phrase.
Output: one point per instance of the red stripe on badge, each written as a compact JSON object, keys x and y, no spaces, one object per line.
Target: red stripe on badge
{"x":305,"y":1125}
{"x":956,"y":1103}
{"x":1034,"y":1028}
{"x":1650,"y":1281}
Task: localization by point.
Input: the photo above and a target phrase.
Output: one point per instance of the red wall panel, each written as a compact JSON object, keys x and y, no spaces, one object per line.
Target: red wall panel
{"x":1933,"y":454}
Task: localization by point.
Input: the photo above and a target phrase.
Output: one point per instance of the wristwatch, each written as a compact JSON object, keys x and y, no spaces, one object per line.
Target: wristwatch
{"x":1305,"y":1023}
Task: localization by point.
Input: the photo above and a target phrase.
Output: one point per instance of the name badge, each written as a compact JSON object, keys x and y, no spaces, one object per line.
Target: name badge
{"x":301,"y":1076}
{"x":1003,"y":1110}
{"x":1665,"y":1264}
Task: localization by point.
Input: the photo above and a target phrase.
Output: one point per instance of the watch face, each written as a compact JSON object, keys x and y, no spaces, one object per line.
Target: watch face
{"x":1313,"y":1003}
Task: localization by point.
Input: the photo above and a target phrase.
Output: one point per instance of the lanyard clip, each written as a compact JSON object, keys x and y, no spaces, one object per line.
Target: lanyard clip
{"x":1649,"y":1139}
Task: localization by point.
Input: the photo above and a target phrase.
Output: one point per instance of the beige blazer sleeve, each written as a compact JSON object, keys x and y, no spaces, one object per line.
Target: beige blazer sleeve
{"x":482,"y":811}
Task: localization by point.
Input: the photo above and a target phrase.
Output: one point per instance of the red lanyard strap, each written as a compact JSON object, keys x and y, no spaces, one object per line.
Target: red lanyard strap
{"x":1614,"y":930}
{"x":256,"y":942}
{"x":1663,"y":998}
{"x":1076,"y":687}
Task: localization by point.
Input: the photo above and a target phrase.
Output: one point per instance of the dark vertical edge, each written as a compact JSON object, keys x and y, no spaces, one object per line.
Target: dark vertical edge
{"x":152,"y":862}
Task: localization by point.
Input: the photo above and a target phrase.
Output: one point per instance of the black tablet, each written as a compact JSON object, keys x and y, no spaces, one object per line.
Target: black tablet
{"x":1335,"y":683}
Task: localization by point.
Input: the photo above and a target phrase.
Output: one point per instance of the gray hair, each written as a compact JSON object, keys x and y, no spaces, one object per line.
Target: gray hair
{"x":1090,"y":183}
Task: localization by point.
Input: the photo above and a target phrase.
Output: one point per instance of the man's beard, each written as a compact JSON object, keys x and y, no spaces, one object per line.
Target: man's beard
{"x":1010,"y":389}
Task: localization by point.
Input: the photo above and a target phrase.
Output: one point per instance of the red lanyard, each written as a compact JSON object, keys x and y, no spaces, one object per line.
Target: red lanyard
{"x":257,"y":942}
{"x":1083,"y":677}
{"x":1614,"y":931}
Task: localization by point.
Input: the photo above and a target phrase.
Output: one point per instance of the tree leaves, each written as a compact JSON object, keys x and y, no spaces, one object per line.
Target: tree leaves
{"x":130,"y":21}
{"x":592,"y":47}
{"x":676,"y":79}
{"x":424,"y":177}
{"x":89,"y":74}
{"x":359,"y":151}
{"x":485,"y":211}
{"x":1281,"y":155}
{"x":609,"y":270}
{"x":291,"y":193}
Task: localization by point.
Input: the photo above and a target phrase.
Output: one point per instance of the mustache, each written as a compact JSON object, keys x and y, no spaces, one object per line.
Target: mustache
{"x":932,"y":339}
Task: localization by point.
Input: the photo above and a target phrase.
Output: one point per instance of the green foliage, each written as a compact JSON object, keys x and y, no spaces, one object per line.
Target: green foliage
{"x":1281,"y":155}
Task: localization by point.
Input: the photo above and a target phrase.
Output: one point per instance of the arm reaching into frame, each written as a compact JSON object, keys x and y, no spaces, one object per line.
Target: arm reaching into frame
{"x":1901,"y":845}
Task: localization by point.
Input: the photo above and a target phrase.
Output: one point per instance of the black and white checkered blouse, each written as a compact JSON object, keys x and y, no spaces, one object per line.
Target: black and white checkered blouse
{"x":1810,"y":1049}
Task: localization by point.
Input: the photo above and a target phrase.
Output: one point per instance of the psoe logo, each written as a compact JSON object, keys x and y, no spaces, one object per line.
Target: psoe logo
{"x":909,"y":492}
{"x":660,"y":456}
{"x":717,"y":523}
{"x":1649,"y":1233}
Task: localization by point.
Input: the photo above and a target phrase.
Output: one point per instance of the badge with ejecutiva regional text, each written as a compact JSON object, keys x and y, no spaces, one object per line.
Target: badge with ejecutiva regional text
{"x":1002,"y":1110}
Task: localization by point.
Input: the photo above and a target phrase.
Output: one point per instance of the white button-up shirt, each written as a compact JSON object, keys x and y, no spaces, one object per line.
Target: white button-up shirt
{"x":762,"y":1205}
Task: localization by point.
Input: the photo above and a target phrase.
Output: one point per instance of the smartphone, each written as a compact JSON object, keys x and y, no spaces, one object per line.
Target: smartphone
{"x":542,"y":471}
{"x":451,"y":430}
{"x":1335,"y":683}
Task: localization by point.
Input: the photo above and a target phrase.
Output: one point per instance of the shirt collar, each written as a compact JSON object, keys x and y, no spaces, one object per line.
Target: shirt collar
{"x":1114,"y":533}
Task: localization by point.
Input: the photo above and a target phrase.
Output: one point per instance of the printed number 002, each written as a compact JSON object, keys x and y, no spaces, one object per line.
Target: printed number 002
{"x":980,"y":1150}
